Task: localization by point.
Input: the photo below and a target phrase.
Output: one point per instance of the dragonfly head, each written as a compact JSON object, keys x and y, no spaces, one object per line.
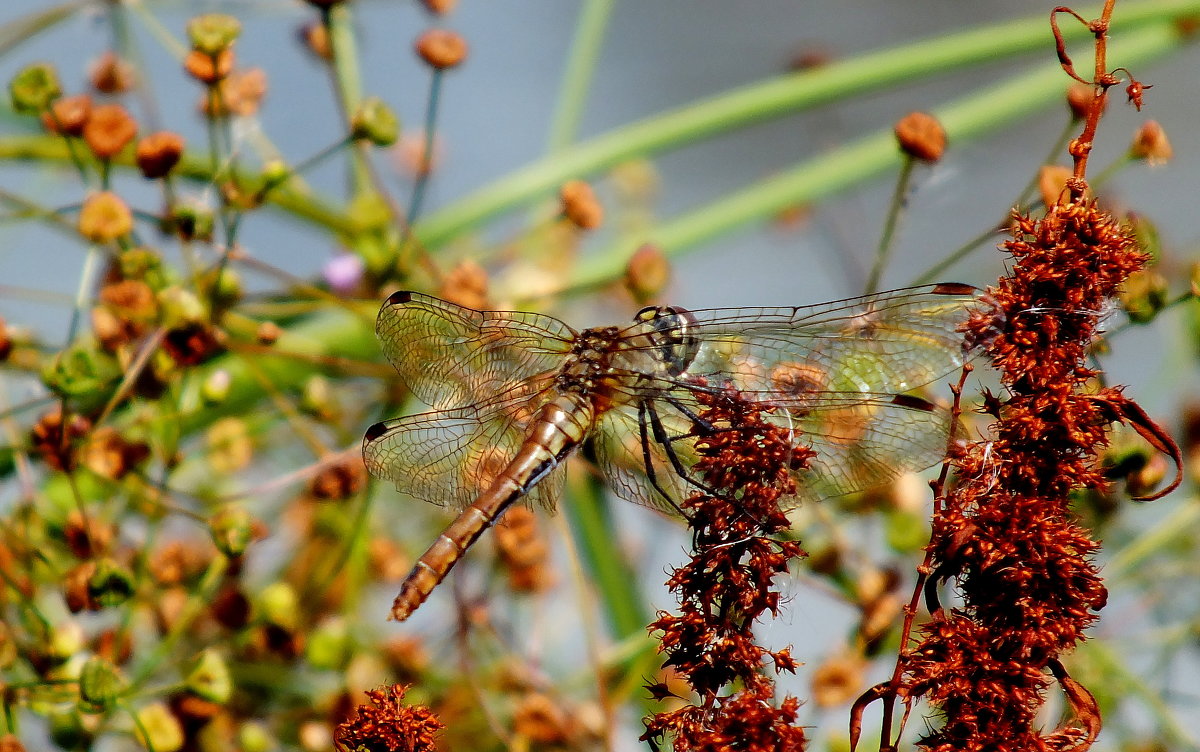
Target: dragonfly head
{"x":671,"y":331}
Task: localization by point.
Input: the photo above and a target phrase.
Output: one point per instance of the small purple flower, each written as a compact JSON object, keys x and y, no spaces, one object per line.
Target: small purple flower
{"x":343,"y":273}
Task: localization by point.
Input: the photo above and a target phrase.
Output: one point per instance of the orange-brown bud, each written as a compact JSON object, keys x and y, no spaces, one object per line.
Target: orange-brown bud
{"x":104,"y":218}
{"x":109,"y":130}
{"x":580,"y":206}
{"x":68,"y":115}
{"x":1052,"y":184}
{"x":6,"y":343}
{"x":315,"y":38}
{"x":441,"y":48}
{"x":1079,"y":99}
{"x":541,"y":720}
{"x":647,"y":273}
{"x":920,"y":135}
{"x":838,"y":680}
{"x":109,"y":74}
{"x":268,"y":333}
{"x":1149,"y":143}
{"x":158,"y":153}
{"x":440,"y":7}
{"x":340,"y":481}
{"x":209,"y":69}
{"x":466,"y":284}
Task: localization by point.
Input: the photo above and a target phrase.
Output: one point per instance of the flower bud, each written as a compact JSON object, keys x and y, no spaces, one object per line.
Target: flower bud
{"x":315,"y":37}
{"x":209,"y":68}
{"x":192,"y":222}
{"x":34,"y":88}
{"x":1079,"y":99}
{"x":329,"y":645}
{"x":374,"y":121}
{"x":163,"y":730}
{"x":647,"y":273}
{"x":1151,"y":144}
{"x":104,"y":218}
{"x":100,"y":684}
{"x":579,"y":205}
{"x":213,"y":33}
{"x":215,"y":388}
{"x":158,"y":153}
{"x":208,"y":677}
{"x":441,"y":48}
{"x":110,"y":584}
{"x":68,"y":115}
{"x":231,"y":529}
{"x":109,"y":130}
{"x":921,"y":136}
{"x":179,"y":307}
{"x":279,"y":604}
{"x":439,"y":7}
{"x":1143,"y":295}
{"x":109,"y":74}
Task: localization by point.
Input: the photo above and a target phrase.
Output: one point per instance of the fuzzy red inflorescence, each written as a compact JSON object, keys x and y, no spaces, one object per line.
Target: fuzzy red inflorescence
{"x":386,"y":724}
{"x":727,"y":585}
{"x":1005,"y":533}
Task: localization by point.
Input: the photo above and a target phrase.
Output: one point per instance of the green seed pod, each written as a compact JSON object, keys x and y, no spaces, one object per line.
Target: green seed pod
{"x":329,"y":645}
{"x":374,"y":121}
{"x":215,"y":388}
{"x":110,"y":584}
{"x":34,"y":88}
{"x":100,"y":685}
{"x":213,"y":32}
{"x":162,"y":727}
{"x":84,"y":374}
{"x":208,"y":677}
{"x":232,"y":530}
{"x":278,"y":604}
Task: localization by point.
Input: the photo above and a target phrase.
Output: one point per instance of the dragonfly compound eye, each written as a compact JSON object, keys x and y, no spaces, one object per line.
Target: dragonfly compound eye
{"x":672,"y":333}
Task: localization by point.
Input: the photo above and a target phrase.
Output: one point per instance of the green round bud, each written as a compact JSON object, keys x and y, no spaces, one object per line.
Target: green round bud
{"x":164,"y":732}
{"x":374,"y":121}
{"x":100,"y":685}
{"x":110,"y":584}
{"x":34,"y":88}
{"x":83,"y":374}
{"x":232,"y":529}
{"x":208,"y":677}
{"x":213,"y":32}
{"x":180,"y":307}
{"x":279,"y":604}
{"x":329,"y":645}
{"x":215,"y":388}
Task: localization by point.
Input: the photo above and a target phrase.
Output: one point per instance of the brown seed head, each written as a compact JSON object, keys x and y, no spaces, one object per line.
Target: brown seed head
{"x":523,"y":551}
{"x":209,"y":69}
{"x":410,"y":157}
{"x":838,"y":680}
{"x":386,"y":722}
{"x":466,"y":284}
{"x":540,"y":720}
{"x":921,"y":136}
{"x":647,"y":273}
{"x":340,"y":481}
{"x":47,"y":439}
{"x":1079,"y":99}
{"x":268,"y":333}
{"x":439,"y":7}
{"x":1052,"y":184}
{"x":315,"y":38}
{"x":158,"y":153}
{"x":68,"y":115}
{"x":109,"y":130}
{"x":104,"y":218}
{"x":579,"y":205}
{"x":10,"y":743}
{"x":86,"y":540}
{"x":6,"y":343}
{"x":441,"y":48}
{"x":109,"y":74}
{"x":1149,"y":143}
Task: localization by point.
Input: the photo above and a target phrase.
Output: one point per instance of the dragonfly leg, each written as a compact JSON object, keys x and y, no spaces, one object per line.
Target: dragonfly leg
{"x":700,"y":426}
{"x":666,"y":442}
{"x":651,"y":474}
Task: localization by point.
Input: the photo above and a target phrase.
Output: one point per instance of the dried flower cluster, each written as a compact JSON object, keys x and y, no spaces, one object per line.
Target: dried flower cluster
{"x":386,"y":724}
{"x":1006,"y":535}
{"x":727,"y":586}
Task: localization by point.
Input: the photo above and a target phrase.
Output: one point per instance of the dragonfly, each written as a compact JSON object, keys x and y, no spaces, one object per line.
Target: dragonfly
{"x":514,"y":393}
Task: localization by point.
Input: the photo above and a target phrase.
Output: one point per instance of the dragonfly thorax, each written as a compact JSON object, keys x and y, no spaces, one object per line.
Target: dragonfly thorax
{"x":588,"y":361}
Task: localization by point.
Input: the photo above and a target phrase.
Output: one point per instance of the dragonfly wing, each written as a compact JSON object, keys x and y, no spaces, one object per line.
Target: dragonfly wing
{"x":628,"y":464}
{"x":449,"y":457}
{"x":449,"y":356}
{"x":862,"y":441}
{"x":889,"y":342}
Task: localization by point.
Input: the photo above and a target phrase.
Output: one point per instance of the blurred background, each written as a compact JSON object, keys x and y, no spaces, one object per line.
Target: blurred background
{"x":505,"y":111}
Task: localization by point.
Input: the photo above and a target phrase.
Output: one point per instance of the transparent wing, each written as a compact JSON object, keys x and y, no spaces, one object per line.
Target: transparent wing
{"x":450,"y":356}
{"x":890,"y":342}
{"x":863,"y":441}
{"x":622,"y":455}
{"x":860,"y":440}
{"x":449,"y":457}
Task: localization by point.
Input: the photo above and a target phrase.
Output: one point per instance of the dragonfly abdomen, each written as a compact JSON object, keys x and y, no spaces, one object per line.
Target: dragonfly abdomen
{"x":558,"y":428}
